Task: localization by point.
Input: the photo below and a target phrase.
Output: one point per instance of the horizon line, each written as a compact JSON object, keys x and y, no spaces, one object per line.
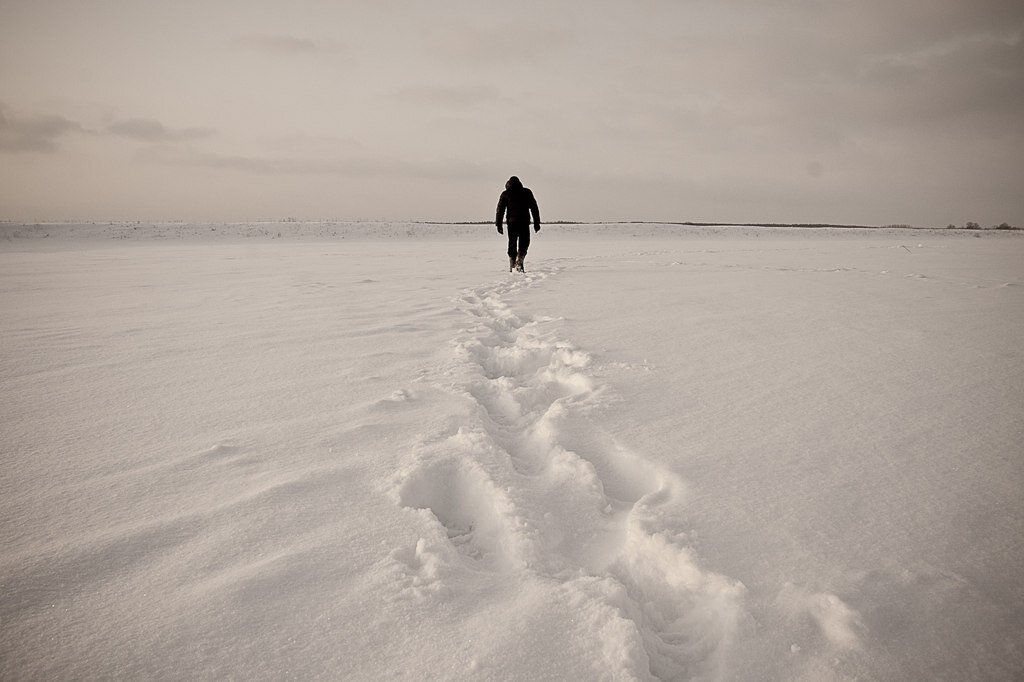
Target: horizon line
{"x":370,"y":221}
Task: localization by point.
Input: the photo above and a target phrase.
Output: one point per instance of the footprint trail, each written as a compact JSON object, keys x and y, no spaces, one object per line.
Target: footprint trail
{"x":528,"y":485}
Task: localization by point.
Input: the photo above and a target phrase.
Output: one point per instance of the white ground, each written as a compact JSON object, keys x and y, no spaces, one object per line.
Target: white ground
{"x":367,"y":452}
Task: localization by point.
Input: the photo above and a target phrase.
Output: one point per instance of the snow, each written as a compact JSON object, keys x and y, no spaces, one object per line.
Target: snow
{"x":365,"y":451}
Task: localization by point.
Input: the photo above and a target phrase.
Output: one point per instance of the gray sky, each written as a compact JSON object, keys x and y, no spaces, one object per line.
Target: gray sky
{"x":846,"y":111}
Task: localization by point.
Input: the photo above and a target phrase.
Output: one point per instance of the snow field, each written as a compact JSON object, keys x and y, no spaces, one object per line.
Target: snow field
{"x":662,"y":453}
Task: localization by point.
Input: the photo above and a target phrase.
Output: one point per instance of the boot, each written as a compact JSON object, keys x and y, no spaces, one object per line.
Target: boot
{"x":519,"y":264}
{"x":511,"y":263}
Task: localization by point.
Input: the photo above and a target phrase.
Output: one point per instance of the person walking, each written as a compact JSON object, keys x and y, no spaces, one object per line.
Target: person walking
{"x":518,"y":203}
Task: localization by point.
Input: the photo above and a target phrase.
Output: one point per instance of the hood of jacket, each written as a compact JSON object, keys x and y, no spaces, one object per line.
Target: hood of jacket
{"x":513,"y":183}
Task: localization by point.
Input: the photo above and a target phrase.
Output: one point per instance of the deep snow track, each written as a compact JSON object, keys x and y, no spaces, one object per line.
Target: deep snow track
{"x":528,"y":485}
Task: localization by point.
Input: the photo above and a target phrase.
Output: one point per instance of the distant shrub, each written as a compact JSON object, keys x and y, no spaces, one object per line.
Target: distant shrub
{"x":976,"y":226}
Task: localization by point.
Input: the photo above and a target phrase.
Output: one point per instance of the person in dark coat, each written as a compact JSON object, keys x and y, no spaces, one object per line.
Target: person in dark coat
{"x":516,"y":205}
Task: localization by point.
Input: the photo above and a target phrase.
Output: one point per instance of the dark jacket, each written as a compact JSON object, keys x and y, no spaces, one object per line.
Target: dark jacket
{"x":518,"y":201}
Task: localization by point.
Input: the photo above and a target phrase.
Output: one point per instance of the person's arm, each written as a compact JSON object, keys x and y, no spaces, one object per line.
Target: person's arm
{"x":535,"y":210}
{"x":500,"y":214}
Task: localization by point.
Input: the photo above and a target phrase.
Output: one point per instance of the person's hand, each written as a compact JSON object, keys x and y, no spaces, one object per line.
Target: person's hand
{"x":500,"y":231}
{"x":536,"y":228}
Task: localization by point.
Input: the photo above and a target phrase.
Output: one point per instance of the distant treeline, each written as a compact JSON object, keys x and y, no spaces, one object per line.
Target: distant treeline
{"x":976,"y":226}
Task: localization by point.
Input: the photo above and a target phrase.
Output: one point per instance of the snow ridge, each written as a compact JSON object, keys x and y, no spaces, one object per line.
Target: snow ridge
{"x":527,"y":485}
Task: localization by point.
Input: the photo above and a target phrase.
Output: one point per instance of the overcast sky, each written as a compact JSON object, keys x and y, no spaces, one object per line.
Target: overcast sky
{"x":843,"y":111}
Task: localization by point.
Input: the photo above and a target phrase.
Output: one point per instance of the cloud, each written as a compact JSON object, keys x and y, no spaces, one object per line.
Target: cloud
{"x":275,"y":45}
{"x":448,"y":96}
{"x":33,"y":133}
{"x":489,"y":42}
{"x":847,"y":82}
{"x":980,"y":74}
{"x":42,"y":133}
{"x":150,"y":130}
{"x":447,"y":169}
{"x":939,"y":51}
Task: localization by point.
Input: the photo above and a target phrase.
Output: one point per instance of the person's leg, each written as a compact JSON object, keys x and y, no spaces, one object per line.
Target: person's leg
{"x":511,"y":248}
{"x":524,"y":242}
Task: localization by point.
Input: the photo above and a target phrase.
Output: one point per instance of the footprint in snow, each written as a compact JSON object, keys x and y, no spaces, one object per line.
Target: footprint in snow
{"x":531,"y":484}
